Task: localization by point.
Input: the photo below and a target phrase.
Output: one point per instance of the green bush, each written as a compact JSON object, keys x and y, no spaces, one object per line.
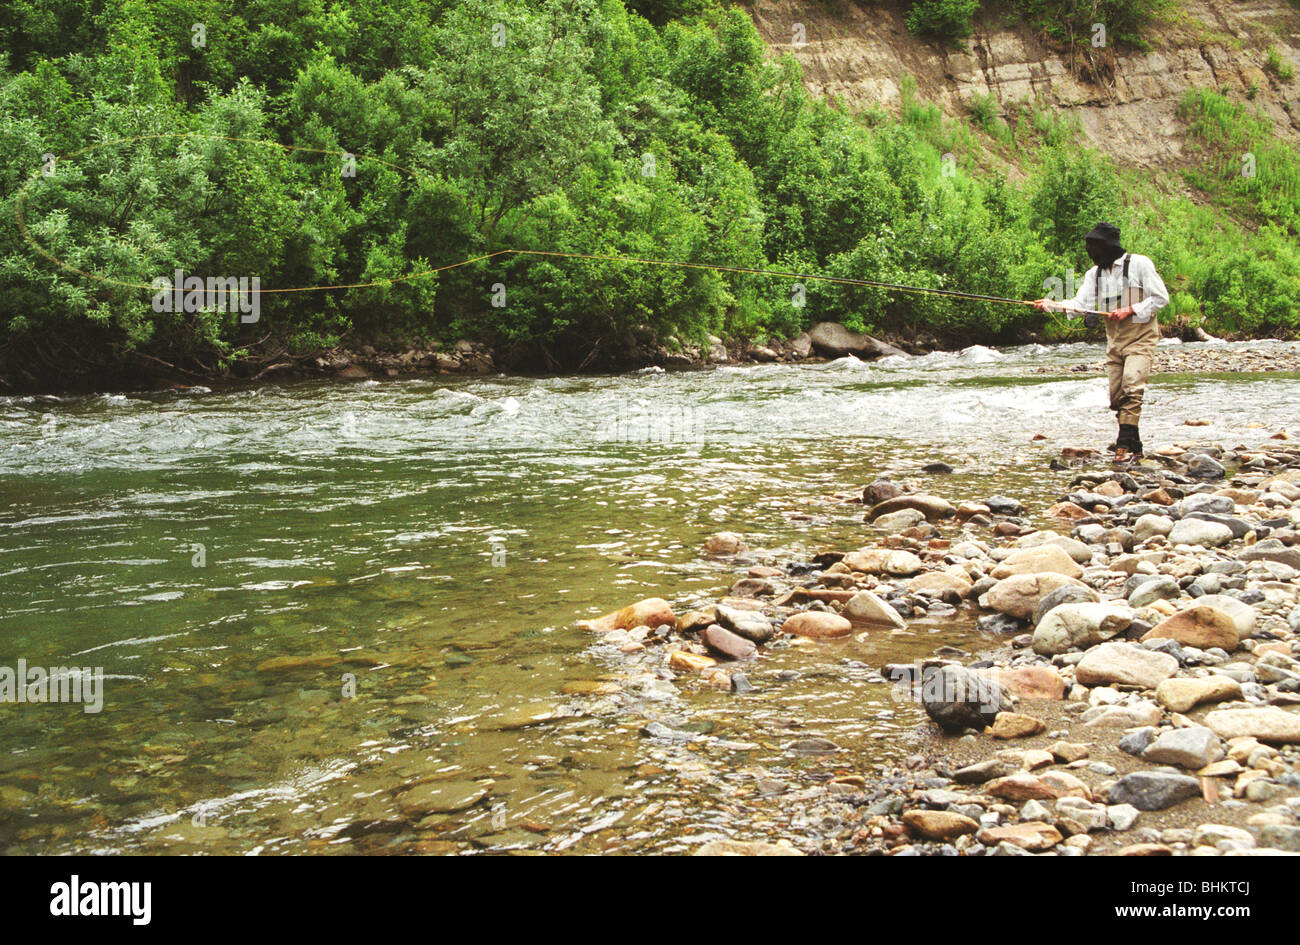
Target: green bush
{"x":1243,"y":293}
{"x":943,"y":19}
{"x":1070,"y":190}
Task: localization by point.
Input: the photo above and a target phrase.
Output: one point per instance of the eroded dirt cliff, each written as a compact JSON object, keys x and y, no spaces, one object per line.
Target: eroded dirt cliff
{"x":1125,"y":100}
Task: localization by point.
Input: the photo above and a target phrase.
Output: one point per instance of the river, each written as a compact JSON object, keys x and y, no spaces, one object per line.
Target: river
{"x":307,"y":598}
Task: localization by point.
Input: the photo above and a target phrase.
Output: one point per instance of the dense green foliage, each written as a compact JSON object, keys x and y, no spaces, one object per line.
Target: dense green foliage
{"x":1066,"y":21}
{"x":948,"y":19}
{"x":567,"y":125}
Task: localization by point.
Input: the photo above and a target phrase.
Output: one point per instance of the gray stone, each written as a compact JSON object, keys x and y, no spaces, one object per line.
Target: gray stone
{"x":982,"y":771}
{"x":1239,"y":527}
{"x":1270,"y":549}
{"x":1126,"y":665}
{"x":750,"y":624}
{"x":1003,"y":505}
{"x":1153,"y":790}
{"x":834,"y":340}
{"x":1079,"y":625}
{"x":1160,"y":587}
{"x":958,"y":699}
{"x":1149,"y":525}
{"x":1281,"y":837}
{"x":1195,"y":531}
{"x":1205,"y":467}
{"x":1193,"y":747}
{"x":1065,"y":594}
{"x":1122,"y":816}
{"x":1136,"y":742}
{"x":1205,"y":502}
{"x":733,"y":645}
{"x":866,"y":607}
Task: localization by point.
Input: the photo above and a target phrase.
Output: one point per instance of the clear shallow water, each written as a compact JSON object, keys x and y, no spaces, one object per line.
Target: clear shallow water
{"x":433,"y":541}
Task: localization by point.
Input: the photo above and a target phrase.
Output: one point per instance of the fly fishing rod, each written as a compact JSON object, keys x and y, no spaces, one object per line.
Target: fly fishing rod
{"x":839,"y":280}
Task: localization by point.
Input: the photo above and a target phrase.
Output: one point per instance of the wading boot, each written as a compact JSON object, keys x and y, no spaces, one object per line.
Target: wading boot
{"x":1128,"y":446}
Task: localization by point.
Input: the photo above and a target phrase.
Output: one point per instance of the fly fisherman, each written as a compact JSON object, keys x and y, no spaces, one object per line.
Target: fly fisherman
{"x":1127,"y":288}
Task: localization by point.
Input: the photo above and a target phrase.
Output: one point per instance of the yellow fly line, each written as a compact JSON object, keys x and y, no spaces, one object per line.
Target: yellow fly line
{"x":20,"y":205}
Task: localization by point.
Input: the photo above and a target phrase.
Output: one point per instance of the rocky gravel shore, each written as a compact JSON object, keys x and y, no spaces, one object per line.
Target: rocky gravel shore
{"x":1144,"y":699}
{"x":1212,"y":359}
{"x":822,"y":342}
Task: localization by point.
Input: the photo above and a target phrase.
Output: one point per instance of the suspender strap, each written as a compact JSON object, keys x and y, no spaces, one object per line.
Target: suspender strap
{"x":1124,"y":284}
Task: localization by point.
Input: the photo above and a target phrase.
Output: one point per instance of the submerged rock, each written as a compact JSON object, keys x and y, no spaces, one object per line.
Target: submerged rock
{"x":867,"y":608}
{"x":933,"y":507}
{"x":750,"y":624}
{"x":650,"y":612}
{"x":732,"y":645}
{"x":440,"y":797}
{"x":741,"y":848}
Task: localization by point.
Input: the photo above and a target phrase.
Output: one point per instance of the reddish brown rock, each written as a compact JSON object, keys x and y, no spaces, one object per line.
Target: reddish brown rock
{"x":1202,"y":626}
{"x":817,"y":624}
{"x":1033,"y":835}
{"x":938,"y":824}
{"x":725,"y":543}
{"x":1019,"y":595}
{"x":686,"y":662}
{"x":1037,"y":560}
{"x":1028,"y":682}
{"x":1067,"y":511}
{"x":1016,"y":725}
{"x":1064,"y":784}
{"x":731,"y":645}
{"x":1145,"y":849}
{"x":1020,"y":786}
{"x":650,"y":612}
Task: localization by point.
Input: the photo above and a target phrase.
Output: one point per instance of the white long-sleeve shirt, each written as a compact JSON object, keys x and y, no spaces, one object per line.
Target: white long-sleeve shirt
{"x":1141,"y":274}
